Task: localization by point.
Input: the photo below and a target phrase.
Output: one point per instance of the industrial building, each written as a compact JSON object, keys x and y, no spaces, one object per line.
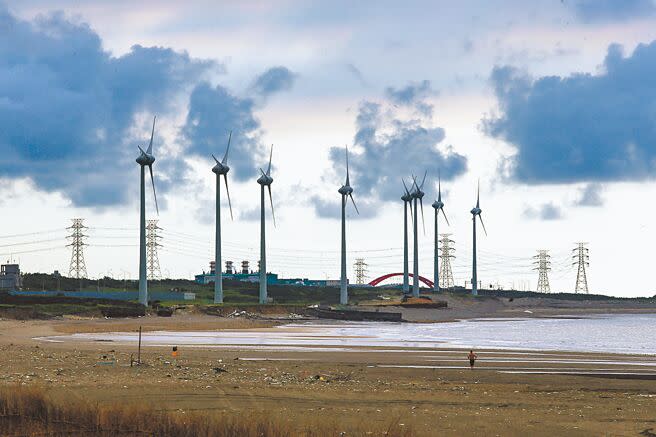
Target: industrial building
{"x":10,"y":277}
{"x":247,"y":275}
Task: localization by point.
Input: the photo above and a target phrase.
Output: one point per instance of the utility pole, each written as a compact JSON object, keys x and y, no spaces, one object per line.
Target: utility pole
{"x":78,"y":268}
{"x":542,"y":262}
{"x":154,"y":272}
{"x":582,"y":261}
{"x":446,"y":274}
{"x":360,"y":271}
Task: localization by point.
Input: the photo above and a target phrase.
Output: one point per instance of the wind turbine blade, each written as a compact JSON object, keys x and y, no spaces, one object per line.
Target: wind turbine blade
{"x":217,"y":161}
{"x":272,"y":213}
{"x":225,"y":157}
{"x":482,"y":224}
{"x":439,"y":188}
{"x":262,"y":171}
{"x":268,"y":172}
{"x":444,"y":214}
{"x":152,"y":179}
{"x":423,"y":224}
{"x":141,"y":150}
{"x":414,"y":182}
{"x":354,"y":205}
{"x":225,"y":178}
{"x":347,"y":169}
{"x":423,"y":180}
{"x":152,"y":134}
{"x":406,"y":187}
{"x":478,"y":194}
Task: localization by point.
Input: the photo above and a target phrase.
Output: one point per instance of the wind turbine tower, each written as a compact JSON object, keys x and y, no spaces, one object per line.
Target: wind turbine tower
{"x":220,"y":169}
{"x":407,"y":200}
{"x":265,"y":181}
{"x":476,"y":212}
{"x":417,"y":194}
{"x":145,"y":159}
{"x":346,"y":191}
{"x":438,"y":205}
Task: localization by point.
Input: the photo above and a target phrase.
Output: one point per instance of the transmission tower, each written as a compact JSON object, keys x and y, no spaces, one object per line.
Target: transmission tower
{"x":360,"y":271}
{"x":543,"y":266}
{"x":582,"y":260}
{"x":446,"y":249}
{"x":152,"y":260}
{"x":78,"y":268}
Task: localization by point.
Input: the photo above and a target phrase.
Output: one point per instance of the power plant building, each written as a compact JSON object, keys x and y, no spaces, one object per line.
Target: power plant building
{"x":247,"y":275}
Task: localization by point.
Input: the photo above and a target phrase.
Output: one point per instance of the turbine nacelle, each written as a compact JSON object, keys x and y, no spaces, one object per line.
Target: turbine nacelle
{"x":345,"y":190}
{"x":476,"y":211}
{"x":145,"y":158}
{"x":219,"y":168}
{"x":438,"y":204}
{"x":265,"y":179}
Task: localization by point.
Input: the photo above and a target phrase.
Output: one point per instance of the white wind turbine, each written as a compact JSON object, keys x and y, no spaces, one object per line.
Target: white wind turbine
{"x":221,"y":168}
{"x":265,"y":181}
{"x":145,"y":159}
{"x":476,"y":212}
{"x":346,"y":191}
{"x":438,"y":205}
{"x":407,"y":200}
{"x":417,"y":194}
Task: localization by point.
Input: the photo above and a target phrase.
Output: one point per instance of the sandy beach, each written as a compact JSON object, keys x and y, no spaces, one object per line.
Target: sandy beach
{"x":432,"y":392}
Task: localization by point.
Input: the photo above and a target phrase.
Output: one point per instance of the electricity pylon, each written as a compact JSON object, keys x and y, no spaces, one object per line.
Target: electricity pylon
{"x":360,"y":271}
{"x":582,"y":260}
{"x":152,"y":263}
{"x":78,"y":268}
{"x":446,"y":274}
{"x":543,"y":266}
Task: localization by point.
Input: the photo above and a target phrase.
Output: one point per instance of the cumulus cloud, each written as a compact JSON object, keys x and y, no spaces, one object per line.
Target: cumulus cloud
{"x":583,"y":127}
{"x":213,"y":113}
{"x":67,"y":107}
{"x":412,"y":95}
{"x":71,"y":114}
{"x":547,"y":211}
{"x":590,"y":195}
{"x":274,"y":80}
{"x":333,"y":208}
{"x":388,"y":147}
{"x":612,"y":10}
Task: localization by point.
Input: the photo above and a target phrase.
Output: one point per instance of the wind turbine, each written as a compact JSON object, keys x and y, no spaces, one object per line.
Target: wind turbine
{"x":417,"y":194}
{"x":438,"y":205}
{"x":265,"y":181}
{"x":346,"y":191}
{"x":476,"y":211}
{"x":221,"y":168}
{"x":145,"y":159}
{"x":407,"y":200}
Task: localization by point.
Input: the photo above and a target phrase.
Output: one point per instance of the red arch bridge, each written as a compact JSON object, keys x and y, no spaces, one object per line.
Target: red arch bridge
{"x":380,"y":279}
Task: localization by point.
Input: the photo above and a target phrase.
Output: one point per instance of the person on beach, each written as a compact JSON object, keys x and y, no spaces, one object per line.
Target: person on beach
{"x":472,"y":359}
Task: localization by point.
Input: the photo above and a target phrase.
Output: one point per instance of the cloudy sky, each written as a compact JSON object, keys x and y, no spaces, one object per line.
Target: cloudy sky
{"x":550,"y":103}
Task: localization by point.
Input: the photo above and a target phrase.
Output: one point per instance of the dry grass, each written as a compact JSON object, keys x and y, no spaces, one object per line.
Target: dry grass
{"x":31,"y":412}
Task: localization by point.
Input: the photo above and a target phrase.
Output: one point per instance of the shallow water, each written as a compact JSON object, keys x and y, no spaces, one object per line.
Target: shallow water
{"x":624,"y":333}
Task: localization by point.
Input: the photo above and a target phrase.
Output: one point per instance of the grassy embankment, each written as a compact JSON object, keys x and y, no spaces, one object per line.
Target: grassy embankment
{"x":31,"y":412}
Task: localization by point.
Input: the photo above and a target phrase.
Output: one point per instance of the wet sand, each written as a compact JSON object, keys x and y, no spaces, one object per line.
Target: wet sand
{"x":430,"y":390}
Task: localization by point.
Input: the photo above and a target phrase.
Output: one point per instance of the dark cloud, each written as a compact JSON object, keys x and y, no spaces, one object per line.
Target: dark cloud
{"x":591,"y":11}
{"x":387,"y":148}
{"x":583,"y":127}
{"x":547,"y":211}
{"x":590,"y":195}
{"x":213,"y":113}
{"x":411,"y":94}
{"x":274,"y":80}
{"x":67,"y":107}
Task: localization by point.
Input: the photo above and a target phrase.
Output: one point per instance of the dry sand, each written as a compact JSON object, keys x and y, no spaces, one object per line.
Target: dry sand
{"x":340,"y":387}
